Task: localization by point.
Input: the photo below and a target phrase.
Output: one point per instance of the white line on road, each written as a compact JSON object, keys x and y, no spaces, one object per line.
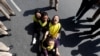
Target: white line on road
{"x":15,"y":5}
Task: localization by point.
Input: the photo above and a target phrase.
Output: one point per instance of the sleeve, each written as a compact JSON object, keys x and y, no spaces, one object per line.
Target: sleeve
{"x":60,"y":29}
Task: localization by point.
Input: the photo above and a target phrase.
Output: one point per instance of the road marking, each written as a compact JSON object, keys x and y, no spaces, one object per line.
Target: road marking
{"x":15,"y":5}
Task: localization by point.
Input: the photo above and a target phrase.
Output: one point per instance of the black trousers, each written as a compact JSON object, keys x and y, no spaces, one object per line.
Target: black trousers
{"x":85,"y":6}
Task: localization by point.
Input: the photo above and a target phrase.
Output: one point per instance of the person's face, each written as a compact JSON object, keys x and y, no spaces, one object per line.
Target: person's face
{"x":55,"y":19}
{"x":38,"y":15}
{"x":45,"y":18}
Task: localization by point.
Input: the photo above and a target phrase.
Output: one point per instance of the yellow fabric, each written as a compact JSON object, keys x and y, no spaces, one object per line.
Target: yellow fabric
{"x":49,"y":48}
{"x":42,"y":23}
{"x":34,"y":19}
{"x":54,"y":29}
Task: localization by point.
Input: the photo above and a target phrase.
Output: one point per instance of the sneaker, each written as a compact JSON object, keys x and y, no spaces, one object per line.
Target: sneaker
{"x":11,"y":46}
{"x":34,"y":41}
{"x":12,"y":14}
{"x":9,"y":34}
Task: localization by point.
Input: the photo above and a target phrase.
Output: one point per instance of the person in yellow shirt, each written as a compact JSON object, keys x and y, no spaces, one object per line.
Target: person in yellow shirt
{"x":54,"y":28}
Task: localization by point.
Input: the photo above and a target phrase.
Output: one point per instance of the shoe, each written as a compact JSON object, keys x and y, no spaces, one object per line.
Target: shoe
{"x":11,"y":46}
{"x":12,"y":14}
{"x":8,"y":30}
{"x":34,"y":41}
{"x":14,"y":54}
{"x":9,"y":19}
{"x":90,"y":19}
{"x":9,"y":34}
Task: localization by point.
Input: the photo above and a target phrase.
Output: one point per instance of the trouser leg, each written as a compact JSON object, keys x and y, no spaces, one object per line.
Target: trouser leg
{"x":6,"y":5}
{"x":83,"y":4}
{"x":56,"y":4}
{"x":3,"y":32}
{"x":51,"y":3}
{"x":3,"y":47}
{"x":3,"y":26}
{"x":4,"y":12}
{"x":96,"y":14}
{"x":5,"y":54}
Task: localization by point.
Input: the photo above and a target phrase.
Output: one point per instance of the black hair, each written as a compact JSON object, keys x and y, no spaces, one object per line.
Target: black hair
{"x":53,"y":18}
{"x":37,"y":11}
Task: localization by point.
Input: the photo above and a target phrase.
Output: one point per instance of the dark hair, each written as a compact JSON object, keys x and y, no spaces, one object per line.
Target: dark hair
{"x":44,"y":14}
{"x":37,"y":11}
{"x":53,"y":18}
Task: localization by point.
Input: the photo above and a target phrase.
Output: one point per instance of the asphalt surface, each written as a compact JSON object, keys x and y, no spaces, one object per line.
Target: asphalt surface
{"x":21,"y":28}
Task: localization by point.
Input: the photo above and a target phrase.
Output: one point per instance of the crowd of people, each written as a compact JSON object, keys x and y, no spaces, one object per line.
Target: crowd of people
{"x":46,"y":30}
{"x":4,"y":31}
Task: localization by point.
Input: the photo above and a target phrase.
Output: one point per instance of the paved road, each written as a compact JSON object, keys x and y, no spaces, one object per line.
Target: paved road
{"x":20,"y":26}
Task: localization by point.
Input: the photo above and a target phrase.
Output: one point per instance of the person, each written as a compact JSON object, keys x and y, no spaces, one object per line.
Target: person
{"x":54,"y":28}
{"x":96,"y":14}
{"x":43,"y":24}
{"x":50,"y":46}
{"x":9,"y":9}
{"x":4,"y":50}
{"x":56,"y":4}
{"x":4,"y":30}
{"x":36,"y":19}
{"x":85,"y":6}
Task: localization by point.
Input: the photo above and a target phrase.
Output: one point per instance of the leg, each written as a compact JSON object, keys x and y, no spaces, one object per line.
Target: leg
{"x":4,"y":13}
{"x":84,"y":2}
{"x":96,"y":14}
{"x":3,"y":26}
{"x":51,"y":3}
{"x":3,"y":47}
{"x":6,"y":5}
{"x":3,"y":32}
{"x":88,"y":6}
{"x":56,"y":4}
{"x":5,"y":54}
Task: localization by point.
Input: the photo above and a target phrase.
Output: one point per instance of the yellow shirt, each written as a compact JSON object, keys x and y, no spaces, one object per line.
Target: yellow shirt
{"x":54,"y":29}
{"x":43,"y":24}
{"x":35,"y":19}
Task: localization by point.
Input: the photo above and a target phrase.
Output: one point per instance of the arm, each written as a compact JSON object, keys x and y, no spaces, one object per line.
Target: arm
{"x":45,"y":36}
